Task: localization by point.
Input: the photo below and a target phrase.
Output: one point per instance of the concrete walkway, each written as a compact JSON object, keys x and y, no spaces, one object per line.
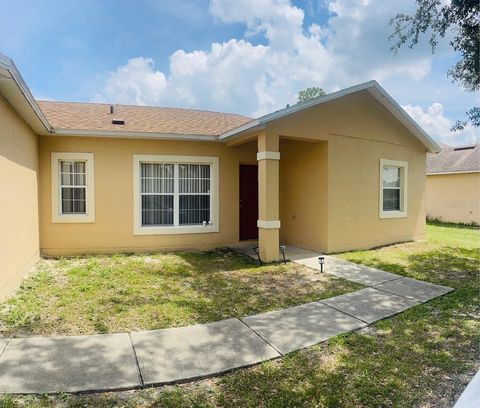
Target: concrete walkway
{"x":470,"y":397}
{"x":139,"y":359}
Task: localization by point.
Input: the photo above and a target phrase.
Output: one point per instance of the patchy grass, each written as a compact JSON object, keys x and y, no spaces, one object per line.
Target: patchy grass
{"x":108,"y":294}
{"x":449,"y":256}
{"x":421,"y":358}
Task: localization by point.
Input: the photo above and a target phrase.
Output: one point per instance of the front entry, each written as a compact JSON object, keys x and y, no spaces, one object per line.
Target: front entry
{"x":248,"y":201}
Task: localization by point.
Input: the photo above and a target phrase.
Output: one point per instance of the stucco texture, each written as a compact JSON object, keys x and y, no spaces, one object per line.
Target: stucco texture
{"x":328,"y":183}
{"x":112,"y":230}
{"x":19,"y":230}
{"x":329,"y":176}
{"x":454,"y":197}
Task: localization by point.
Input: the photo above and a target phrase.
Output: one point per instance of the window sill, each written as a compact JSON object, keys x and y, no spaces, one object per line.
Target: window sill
{"x":73,"y":219}
{"x":192,"y":229}
{"x":393,"y":214}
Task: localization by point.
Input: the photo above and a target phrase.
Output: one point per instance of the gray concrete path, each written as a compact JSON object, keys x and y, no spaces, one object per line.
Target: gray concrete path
{"x":76,"y":363}
{"x":182,"y":353}
{"x":413,"y":289}
{"x":301,"y":326}
{"x":138,"y":359}
{"x":362,"y":274}
{"x":370,"y":304}
{"x":470,"y":397}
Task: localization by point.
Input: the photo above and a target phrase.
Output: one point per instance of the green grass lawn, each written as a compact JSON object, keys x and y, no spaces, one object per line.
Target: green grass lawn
{"x":109,"y":294}
{"x":420,"y":358}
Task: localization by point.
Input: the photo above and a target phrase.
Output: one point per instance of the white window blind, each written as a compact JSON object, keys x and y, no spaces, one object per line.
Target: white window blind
{"x":194,"y":194}
{"x":73,"y":185}
{"x":391,"y":188}
{"x":157,"y":191}
{"x":174,"y":194}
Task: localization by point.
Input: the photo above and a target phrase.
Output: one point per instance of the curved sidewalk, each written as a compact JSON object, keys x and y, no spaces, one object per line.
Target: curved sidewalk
{"x":139,"y":359}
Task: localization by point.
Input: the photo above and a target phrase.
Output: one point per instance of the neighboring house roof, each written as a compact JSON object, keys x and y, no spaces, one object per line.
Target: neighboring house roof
{"x":373,"y":87}
{"x":65,"y":116}
{"x":455,"y":160}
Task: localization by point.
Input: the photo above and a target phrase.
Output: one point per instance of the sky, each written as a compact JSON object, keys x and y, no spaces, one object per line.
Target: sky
{"x":242,"y":56}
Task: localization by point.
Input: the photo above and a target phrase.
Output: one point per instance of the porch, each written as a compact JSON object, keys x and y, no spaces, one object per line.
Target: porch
{"x":283,"y":194}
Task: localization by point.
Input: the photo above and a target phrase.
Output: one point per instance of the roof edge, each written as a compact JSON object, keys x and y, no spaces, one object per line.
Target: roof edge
{"x":406,"y":119}
{"x":125,"y":134}
{"x":7,"y":64}
{"x":443,"y":173}
{"x":378,"y":92}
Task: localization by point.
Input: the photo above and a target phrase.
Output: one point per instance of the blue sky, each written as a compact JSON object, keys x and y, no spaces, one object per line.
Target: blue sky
{"x":245,"y":56}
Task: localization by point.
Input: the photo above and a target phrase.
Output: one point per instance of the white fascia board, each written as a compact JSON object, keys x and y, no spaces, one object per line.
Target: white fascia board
{"x":247,"y":127}
{"x":8,"y":65}
{"x":123,"y":134}
{"x":375,"y":90}
{"x":453,"y":172}
{"x":261,"y":121}
{"x":396,"y":110}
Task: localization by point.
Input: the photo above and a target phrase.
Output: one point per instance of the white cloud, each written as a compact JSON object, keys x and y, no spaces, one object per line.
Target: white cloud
{"x":235,"y":75}
{"x":437,"y":125}
{"x":135,"y":83}
{"x":245,"y":77}
{"x":358,"y":34}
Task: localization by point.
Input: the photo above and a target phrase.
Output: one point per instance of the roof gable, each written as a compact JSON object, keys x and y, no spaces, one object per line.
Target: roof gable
{"x":372,"y":87}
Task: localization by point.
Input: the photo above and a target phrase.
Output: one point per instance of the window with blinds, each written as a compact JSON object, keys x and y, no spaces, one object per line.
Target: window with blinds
{"x":73,"y":187}
{"x":175,"y":194}
{"x":391,"y":188}
{"x":194,"y":194}
{"x":157,"y":190}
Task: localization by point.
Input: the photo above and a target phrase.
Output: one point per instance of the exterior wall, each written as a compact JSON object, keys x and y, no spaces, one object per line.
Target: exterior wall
{"x":454,"y":197}
{"x":304,"y":194}
{"x":19,"y":234}
{"x":328,"y":181}
{"x":112,"y":230}
{"x":359,"y":132}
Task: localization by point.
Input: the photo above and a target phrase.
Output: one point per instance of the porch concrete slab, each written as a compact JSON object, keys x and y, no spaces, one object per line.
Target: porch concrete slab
{"x":184,"y":353}
{"x":70,"y":364}
{"x":370,"y":304}
{"x":414,"y":289}
{"x":301,"y":326}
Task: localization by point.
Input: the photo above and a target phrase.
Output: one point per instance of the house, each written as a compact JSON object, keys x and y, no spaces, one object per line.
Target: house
{"x":453,"y":185}
{"x":344,"y":171}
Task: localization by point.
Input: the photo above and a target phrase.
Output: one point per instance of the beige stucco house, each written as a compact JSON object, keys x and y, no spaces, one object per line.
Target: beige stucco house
{"x":344,"y":171}
{"x":453,"y":185}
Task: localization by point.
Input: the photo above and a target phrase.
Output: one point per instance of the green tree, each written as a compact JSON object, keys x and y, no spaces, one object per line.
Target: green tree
{"x":461,"y":18}
{"x":310,"y":93}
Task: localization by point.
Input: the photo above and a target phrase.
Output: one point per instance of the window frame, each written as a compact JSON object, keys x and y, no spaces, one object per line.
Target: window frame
{"x":139,"y":229}
{"x":57,"y":215}
{"x":403,"y":166}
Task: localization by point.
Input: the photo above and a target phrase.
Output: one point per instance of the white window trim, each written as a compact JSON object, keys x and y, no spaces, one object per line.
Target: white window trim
{"x":214,"y":226}
{"x":57,"y":216}
{"x":403,"y":189}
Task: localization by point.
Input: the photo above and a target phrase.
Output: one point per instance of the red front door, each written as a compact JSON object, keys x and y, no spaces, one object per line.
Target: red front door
{"x":248,"y":201}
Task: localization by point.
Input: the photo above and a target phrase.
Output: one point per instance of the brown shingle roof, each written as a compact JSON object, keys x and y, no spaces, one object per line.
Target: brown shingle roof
{"x":454,"y":160}
{"x":96,"y":116}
